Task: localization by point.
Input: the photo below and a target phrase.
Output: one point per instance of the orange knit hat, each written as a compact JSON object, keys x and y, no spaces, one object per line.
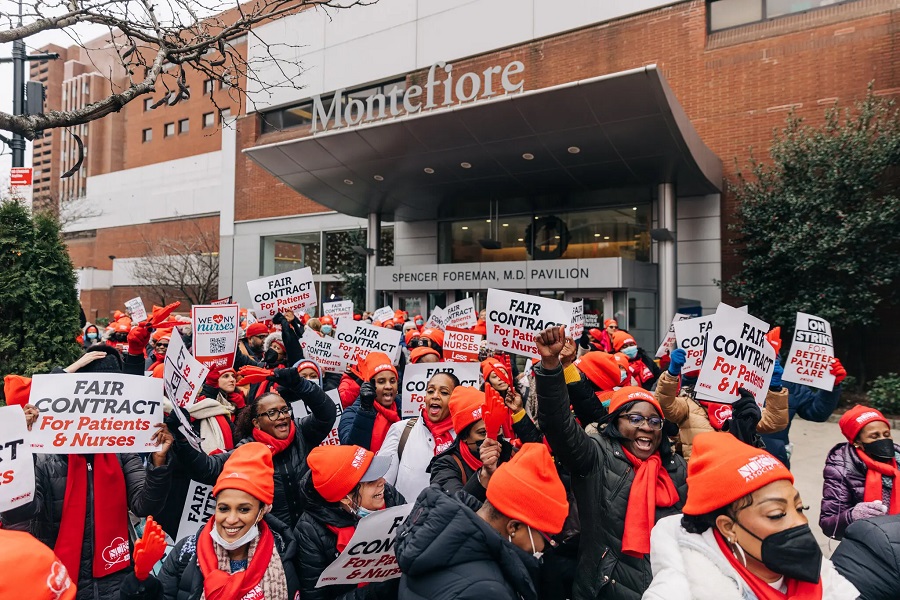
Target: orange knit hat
{"x":16,"y":389}
{"x":337,"y":469}
{"x":723,"y":469}
{"x":41,"y":576}
{"x":435,"y":335}
{"x":493,"y":364}
{"x":465,"y":406}
{"x":410,"y":335}
{"x":620,"y":338}
{"x":528,"y":489}
{"x":376,"y":362}
{"x":417,"y":354}
{"x":632,"y":393}
{"x":858,"y":417}
{"x":249,"y":469}
{"x":601,"y":368}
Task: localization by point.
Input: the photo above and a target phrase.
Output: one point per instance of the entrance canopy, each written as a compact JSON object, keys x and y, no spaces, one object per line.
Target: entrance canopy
{"x":612,"y":131}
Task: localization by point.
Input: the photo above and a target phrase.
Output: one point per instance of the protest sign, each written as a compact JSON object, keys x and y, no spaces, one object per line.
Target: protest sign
{"x":92,"y":413}
{"x":357,"y":339}
{"x":383,"y":314}
{"x":183,"y":375}
{"x":416,"y":377}
{"x":342,"y":309}
{"x":323,"y":350}
{"x":437,"y":320}
{"x":369,"y":555}
{"x":16,"y":462}
{"x":514,"y":319}
{"x":737,"y":356}
{"x":669,"y":339}
{"x":576,"y":325}
{"x":199,"y":506}
{"x":591,"y":320}
{"x":135,"y":308}
{"x":221,"y":301}
{"x":215,"y":334}
{"x":461,"y":346}
{"x":690,"y":335}
{"x":301,"y":412}
{"x":293,"y":290}
{"x":811,"y":354}
{"x":461,"y":314}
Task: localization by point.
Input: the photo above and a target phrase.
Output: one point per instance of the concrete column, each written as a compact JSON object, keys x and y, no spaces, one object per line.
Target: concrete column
{"x":373,"y":241}
{"x":668,"y":259}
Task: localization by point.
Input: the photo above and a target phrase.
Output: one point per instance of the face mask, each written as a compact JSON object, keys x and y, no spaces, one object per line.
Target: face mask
{"x":92,"y":336}
{"x":882,"y":449}
{"x":419,"y":323}
{"x":534,"y":553}
{"x":326,"y":329}
{"x":793,"y":553}
{"x":244,"y":539}
{"x":630,"y":351}
{"x":361,"y":512}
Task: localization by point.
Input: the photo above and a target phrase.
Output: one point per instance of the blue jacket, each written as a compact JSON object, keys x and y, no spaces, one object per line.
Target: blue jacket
{"x":811,"y":404}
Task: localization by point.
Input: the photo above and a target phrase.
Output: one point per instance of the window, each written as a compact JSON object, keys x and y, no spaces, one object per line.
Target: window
{"x":183,"y":125}
{"x":209,"y":119}
{"x":724,"y":14}
{"x":226,"y":114}
{"x":148,"y":102}
{"x":146,"y":136}
{"x":225,"y":82}
{"x":168,"y":129}
{"x":208,"y":87}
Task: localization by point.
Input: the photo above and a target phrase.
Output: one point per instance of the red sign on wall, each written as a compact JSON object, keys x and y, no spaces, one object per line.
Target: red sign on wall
{"x":20,"y":177}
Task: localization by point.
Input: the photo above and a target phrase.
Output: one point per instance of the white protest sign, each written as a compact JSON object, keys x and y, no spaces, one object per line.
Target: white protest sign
{"x":215,"y":334}
{"x":737,"y":356}
{"x":342,"y":309}
{"x":383,"y":314}
{"x":135,"y":308}
{"x":199,"y":506}
{"x":323,"y":350}
{"x":301,"y":411}
{"x":670,"y":335}
{"x":92,"y":413}
{"x":293,"y":290}
{"x":690,"y":335}
{"x":576,"y":325}
{"x":417,"y":376}
{"x":369,"y":555}
{"x":183,"y":375}
{"x":461,"y":346}
{"x":437,"y":320}
{"x":356,"y":339}
{"x":811,"y":354}
{"x":16,"y":462}
{"x":461,"y":314}
{"x":514,"y":319}
{"x":591,"y":320}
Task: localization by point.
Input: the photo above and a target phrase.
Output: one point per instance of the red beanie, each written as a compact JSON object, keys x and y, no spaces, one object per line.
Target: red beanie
{"x":723,"y":469}
{"x":527,"y":488}
{"x":620,"y":338}
{"x":249,"y":469}
{"x":435,"y":335}
{"x":466,"y":405}
{"x":308,"y":364}
{"x":858,"y":417}
{"x":601,"y":368}
{"x":632,"y":393}
{"x":16,"y":389}
{"x":40,"y":576}
{"x":609,"y":322}
{"x":417,"y":354}
{"x":337,"y":469}
{"x":376,"y":362}
{"x":212,"y":378}
{"x":489,"y":365}
{"x":410,"y":334}
{"x":256,"y":329}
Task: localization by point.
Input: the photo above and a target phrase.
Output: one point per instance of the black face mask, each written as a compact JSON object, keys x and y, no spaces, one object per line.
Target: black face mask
{"x":793,"y":553}
{"x":882,"y":449}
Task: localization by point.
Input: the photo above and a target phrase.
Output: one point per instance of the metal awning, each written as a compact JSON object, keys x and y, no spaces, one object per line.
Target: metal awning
{"x":628,"y":129}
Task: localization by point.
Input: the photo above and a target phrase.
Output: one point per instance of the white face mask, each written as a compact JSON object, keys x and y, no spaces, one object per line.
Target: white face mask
{"x":248,"y":537}
{"x":535,"y":554}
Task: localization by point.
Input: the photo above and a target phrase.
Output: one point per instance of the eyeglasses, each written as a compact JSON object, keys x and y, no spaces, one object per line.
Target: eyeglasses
{"x":162,"y":345}
{"x":275,"y":413}
{"x":636,"y":420}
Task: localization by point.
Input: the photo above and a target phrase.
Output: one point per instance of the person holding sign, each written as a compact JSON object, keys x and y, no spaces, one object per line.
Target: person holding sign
{"x":862,"y":479}
{"x":241,"y":552}
{"x":366,"y":422}
{"x":344,"y":485}
{"x":625,"y":478}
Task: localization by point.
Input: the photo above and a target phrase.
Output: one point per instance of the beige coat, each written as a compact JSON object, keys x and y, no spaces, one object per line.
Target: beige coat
{"x":691,"y":417}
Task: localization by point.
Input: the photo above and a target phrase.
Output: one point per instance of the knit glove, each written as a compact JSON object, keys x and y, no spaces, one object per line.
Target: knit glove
{"x":867,"y":510}
{"x":290,"y":379}
{"x":149,"y":549}
{"x":138,"y":338}
{"x":838,"y":370}
{"x":777,"y":372}
{"x":677,"y":358}
{"x":367,"y":396}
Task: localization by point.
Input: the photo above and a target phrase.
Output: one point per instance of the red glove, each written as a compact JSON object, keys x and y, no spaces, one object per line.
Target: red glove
{"x":494,"y":412}
{"x":138,"y":338}
{"x":149,"y":549}
{"x":838,"y":370}
{"x":250,"y":374}
{"x":774,"y":338}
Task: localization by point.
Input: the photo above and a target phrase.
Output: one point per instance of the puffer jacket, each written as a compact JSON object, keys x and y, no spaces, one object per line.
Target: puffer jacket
{"x":601,"y":480}
{"x":811,"y":404}
{"x":146,"y":489}
{"x":447,"y":552}
{"x":182,"y":579}
{"x":845,"y":487}
{"x":317,"y":547}
{"x":690,"y":416}
{"x":290,"y":464}
{"x":869,"y":557}
{"x":448,"y":470}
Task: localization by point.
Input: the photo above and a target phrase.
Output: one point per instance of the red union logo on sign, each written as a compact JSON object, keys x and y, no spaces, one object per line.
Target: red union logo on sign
{"x":20,"y":176}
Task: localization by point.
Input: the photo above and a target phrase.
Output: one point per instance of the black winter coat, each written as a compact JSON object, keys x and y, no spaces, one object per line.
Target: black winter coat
{"x":446,"y":474}
{"x":601,"y":479}
{"x":869,"y":557}
{"x":317,"y":547}
{"x":146,"y":489}
{"x":447,"y":552}
{"x":182,"y":579}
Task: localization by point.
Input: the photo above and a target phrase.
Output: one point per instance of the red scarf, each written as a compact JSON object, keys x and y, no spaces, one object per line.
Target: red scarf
{"x":219,"y":585}
{"x":874,"y":471}
{"x":443,"y":439}
{"x":384,"y":418}
{"x":652,"y":487}
{"x":343,"y":535}
{"x":467,"y":456}
{"x":275,"y":445}
{"x":717,"y":413}
{"x":796,"y":589}
{"x":237,"y":399}
{"x":111,"y":551}
{"x":227,"y":438}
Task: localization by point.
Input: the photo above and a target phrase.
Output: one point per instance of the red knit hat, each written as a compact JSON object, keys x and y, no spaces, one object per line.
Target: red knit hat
{"x":337,"y":469}
{"x":399,"y":317}
{"x":417,"y":354}
{"x":212,"y":378}
{"x":376,"y":362}
{"x":256,"y":329}
{"x":308,"y":364}
{"x":527,"y":488}
{"x":326,"y":320}
{"x":40,"y":576}
{"x":723,"y":469}
{"x":249,"y":469}
{"x":609,"y":322}
{"x":632,"y":393}
{"x":620,"y":338}
{"x":17,"y":389}
{"x":490,"y":365}
{"x":601,"y":368}
{"x":435,"y":335}
{"x":858,"y":417}
{"x":410,"y":334}
{"x":466,"y":405}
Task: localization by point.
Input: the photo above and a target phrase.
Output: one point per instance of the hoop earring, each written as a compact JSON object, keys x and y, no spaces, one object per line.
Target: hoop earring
{"x":738,"y":552}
